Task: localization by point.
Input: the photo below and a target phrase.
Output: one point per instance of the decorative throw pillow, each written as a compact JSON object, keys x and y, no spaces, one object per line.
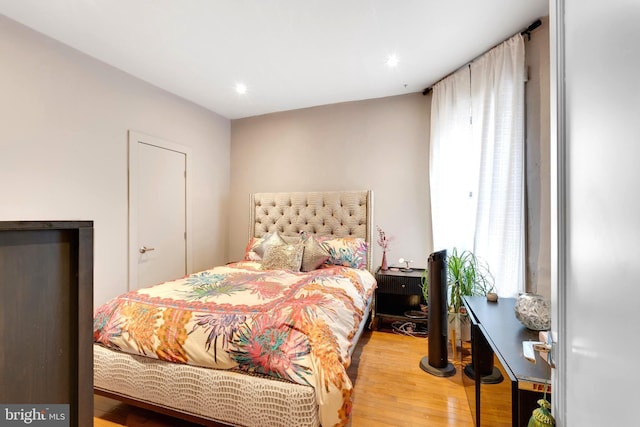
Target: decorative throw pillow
{"x":283,"y":257}
{"x":347,"y":251}
{"x":249,"y":252}
{"x":269,"y":239}
{"x":314,"y":254}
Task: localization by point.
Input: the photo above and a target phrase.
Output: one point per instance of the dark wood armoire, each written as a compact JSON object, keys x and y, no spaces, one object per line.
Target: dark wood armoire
{"x":46,"y":310}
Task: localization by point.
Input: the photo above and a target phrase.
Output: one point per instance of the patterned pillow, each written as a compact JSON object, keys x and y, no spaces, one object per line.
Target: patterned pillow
{"x":269,"y":239}
{"x":315,"y":254}
{"x":347,"y":251}
{"x":283,"y":257}
{"x":249,"y":251}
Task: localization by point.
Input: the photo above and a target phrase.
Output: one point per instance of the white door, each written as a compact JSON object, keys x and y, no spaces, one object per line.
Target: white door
{"x":595,"y":210}
{"x":157,"y":211}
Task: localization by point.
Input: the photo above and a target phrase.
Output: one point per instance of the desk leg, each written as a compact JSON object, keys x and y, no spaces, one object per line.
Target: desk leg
{"x":482,"y":361}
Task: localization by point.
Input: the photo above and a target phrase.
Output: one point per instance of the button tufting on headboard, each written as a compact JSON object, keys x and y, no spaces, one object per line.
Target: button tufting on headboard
{"x":337,"y":214}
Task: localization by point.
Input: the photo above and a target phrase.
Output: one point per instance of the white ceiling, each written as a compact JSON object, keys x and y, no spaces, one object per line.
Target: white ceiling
{"x":289,"y":53}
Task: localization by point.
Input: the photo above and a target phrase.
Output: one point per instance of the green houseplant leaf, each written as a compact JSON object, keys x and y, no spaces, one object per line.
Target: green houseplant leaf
{"x":466,"y":276}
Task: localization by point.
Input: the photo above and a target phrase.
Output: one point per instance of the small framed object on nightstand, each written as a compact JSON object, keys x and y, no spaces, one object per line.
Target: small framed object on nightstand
{"x":398,"y":300}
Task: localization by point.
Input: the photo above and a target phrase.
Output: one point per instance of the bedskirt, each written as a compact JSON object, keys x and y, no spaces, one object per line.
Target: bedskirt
{"x":224,"y":396}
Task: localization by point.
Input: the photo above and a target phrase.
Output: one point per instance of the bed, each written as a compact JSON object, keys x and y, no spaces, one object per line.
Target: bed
{"x":253,"y":342}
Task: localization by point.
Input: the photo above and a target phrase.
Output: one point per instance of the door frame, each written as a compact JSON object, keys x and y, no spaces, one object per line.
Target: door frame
{"x":134,"y":139}
{"x":559,"y":227}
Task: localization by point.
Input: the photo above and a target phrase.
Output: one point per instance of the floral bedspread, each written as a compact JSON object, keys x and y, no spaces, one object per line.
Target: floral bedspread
{"x":296,"y":326}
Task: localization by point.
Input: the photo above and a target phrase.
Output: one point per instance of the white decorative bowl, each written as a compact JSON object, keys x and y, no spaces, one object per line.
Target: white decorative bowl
{"x":533,"y":311}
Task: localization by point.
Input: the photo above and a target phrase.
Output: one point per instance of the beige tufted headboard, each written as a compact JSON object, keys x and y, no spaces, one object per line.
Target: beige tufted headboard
{"x":330,"y":213}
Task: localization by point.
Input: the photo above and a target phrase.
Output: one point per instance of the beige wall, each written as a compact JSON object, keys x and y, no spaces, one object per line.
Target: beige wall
{"x":379,"y":145}
{"x":63,"y":148}
{"x":382,"y":145}
{"x":63,"y":155}
{"x":538,"y":162}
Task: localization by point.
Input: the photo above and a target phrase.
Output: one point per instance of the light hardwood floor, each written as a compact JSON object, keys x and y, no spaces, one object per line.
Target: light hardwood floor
{"x":390,"y":389}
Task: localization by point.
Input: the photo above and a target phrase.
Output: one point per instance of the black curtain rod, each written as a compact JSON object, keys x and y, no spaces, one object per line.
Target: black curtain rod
{"x":525,"y":32}
{"x":530,"y":28}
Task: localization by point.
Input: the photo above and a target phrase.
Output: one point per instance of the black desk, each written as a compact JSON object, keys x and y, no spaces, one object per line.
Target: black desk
{"x":496,"y":344}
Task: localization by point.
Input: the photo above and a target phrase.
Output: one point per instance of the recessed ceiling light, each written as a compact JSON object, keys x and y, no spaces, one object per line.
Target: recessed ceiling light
{"x":392,"y":60}
{"x":241,"y":88}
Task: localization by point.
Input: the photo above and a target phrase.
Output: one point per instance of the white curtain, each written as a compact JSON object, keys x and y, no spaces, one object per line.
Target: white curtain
{"x":497,"y":94}
{"x":477,"y":168}
{"x":452,"y":175}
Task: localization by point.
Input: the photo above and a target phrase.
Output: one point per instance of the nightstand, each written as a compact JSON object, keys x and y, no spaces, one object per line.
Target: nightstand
{"x":398,"y":298}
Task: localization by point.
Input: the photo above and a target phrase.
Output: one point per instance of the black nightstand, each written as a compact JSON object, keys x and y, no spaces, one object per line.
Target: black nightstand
{"x":398,"y":298}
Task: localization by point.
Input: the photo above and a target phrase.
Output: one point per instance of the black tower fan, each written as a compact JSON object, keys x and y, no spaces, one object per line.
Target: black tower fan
{"x":437,"y":361}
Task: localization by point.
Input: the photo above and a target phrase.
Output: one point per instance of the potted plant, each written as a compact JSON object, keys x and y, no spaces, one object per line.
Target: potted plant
{"x":424,"y":285}
{"x":466,"y":276}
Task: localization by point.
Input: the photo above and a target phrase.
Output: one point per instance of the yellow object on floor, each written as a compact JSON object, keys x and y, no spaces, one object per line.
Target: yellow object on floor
{"x":541,"y":416}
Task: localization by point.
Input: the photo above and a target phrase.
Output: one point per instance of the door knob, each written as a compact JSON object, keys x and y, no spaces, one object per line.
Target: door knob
{"x":146,"y":249}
